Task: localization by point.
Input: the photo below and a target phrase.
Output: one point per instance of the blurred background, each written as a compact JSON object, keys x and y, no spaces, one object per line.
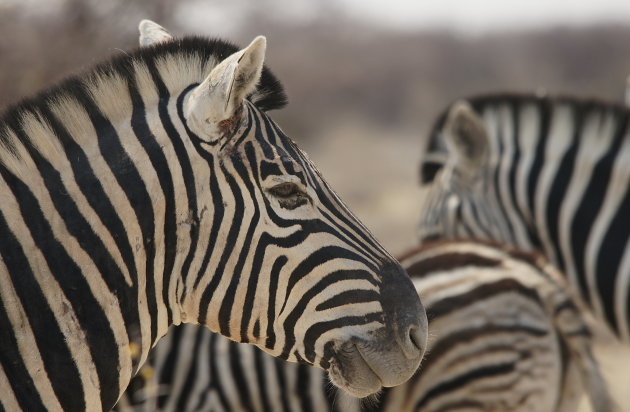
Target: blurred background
{"x":364,"y":79}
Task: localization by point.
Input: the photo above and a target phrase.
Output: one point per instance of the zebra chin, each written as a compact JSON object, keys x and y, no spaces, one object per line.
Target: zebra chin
{"x":362,"y":368}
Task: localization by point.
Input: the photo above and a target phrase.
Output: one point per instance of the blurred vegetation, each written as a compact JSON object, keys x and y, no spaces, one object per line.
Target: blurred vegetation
{"x":361,"y":97}
{"x":335,"y":68}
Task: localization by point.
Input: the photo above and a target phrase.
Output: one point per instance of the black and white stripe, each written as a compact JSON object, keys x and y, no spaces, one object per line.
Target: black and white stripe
{"x":552,"y":175}
{"x":155,"y":190}
{"x":506,"y":335}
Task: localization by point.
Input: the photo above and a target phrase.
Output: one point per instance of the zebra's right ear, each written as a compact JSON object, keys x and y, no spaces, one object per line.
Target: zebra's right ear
{"x":466,"y":138}
{"x":152,"y":33}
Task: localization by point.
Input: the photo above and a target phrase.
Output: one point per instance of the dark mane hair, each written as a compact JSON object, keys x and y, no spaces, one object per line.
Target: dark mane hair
{"x":268,"y":95}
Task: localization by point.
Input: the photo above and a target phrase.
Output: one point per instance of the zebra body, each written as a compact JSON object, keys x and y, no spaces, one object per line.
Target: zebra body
{"x":540,"y":173}
{"x":505,"y":336}
{"x":154,"y":190}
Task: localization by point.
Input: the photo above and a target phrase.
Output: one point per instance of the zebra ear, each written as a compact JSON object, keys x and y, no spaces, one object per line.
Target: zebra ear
{"x":152,"y":33}
{"x":213,"y":108}
{"x":466,"y":138}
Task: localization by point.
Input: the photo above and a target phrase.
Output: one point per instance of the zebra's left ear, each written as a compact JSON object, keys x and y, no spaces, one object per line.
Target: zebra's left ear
{"x":466,"y":138}
{"x":213,"y":108}
{"x":152,"y":33}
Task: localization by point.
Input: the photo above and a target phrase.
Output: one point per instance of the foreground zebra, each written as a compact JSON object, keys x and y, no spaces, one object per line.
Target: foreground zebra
{"x":506,"y":336}
{"x":540,"y":173}
{"x":154,"y":190}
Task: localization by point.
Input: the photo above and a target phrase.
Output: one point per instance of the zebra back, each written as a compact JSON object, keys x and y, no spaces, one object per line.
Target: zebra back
{"x":505,"y":335}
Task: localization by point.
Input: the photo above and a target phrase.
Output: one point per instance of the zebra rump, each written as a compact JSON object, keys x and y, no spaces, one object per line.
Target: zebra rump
{"x":505,"y":336}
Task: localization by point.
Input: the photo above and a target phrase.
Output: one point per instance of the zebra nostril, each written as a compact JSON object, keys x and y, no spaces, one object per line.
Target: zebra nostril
{"x":413,"y":342}
{"x":415,"y":337}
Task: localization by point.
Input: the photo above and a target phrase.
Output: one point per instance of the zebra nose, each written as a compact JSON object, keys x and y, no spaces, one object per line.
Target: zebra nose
{"x":405,"y":315}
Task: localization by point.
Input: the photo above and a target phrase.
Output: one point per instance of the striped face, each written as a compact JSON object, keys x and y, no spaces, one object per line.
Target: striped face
{"x":303,"y":278}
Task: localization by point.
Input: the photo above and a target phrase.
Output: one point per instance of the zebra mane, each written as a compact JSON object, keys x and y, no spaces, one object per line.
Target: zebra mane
{"x":178,"y":63}
{"x":580,"y":106}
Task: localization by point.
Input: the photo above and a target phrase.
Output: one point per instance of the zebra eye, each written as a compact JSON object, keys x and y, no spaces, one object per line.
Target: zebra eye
{"x":284,"y":190}
{"x":290,"y":195}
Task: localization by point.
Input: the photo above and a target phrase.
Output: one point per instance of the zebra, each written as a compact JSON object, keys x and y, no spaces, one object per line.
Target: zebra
{"x":154,"y":190}
{"x":506,"y":336}
{"x":538,"y":172}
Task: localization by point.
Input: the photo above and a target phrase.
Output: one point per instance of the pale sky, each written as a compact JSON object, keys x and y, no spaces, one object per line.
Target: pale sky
{"x":472,"y":16}
{"x":469,"y":16}
{"x":483,"y":15}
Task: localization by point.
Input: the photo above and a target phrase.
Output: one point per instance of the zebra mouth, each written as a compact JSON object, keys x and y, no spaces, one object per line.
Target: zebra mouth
{"x":363,"y":367}
{"x":350,"y":372}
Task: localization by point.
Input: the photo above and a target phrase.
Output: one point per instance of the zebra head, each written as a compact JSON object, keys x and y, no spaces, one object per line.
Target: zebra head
{"x":453,"y":174}
{"x":283,"y":263}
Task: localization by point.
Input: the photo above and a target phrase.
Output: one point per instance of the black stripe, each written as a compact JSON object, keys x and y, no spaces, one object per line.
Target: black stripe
{"x":128,"y":178}
{"x":609,"y":257}
{"x":269,"y":169}
{"x":184,"y":163}
{"x":448,"y":386}
{"x":168,"y":368}
{"x":496,"y":182}
{"x":228,"y":300}
{"x":588,"y":211}
{"x":319,"y":328}
{"x":160,"y":165}
{"x":515,"y":161}
{"x":240,"y":381}
{"x":191,"y":374}
{"x":227,"y":248}
{"x":261,"y":379}
{"x":349,"y":297}
{"x":479,"y":294}
{"x":90,"y":315}
{"x":10,"y":357}
{"x":58,"y":362}
{"x":274,"y":276}
{"x":303,"y":379}
{"x":280,"y":368}
{"x":448,"y":262}
{"x":215,"y":374}
{"x":544,"y":109}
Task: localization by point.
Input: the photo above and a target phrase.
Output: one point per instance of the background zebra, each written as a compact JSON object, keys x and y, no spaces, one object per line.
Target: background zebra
{"x":548,"y":173}
{"x":154,"y":190}
{"x":506,"y":336}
